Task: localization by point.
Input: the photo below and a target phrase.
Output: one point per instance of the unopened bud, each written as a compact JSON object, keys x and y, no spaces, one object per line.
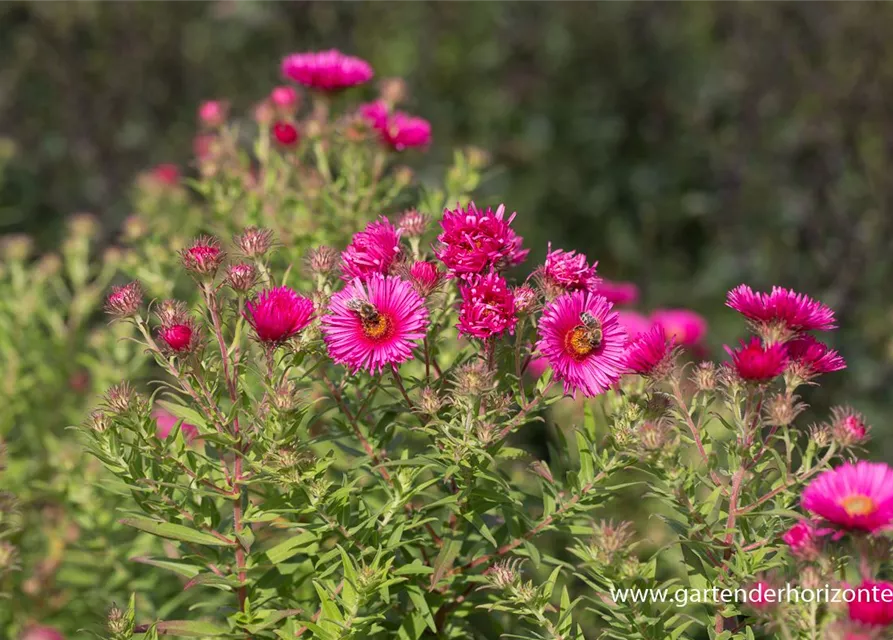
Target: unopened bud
{"x":98,"y":421}
{"x":413,"y":223}
{"x":241,"y":277}
{"x":322,"y":260}
{"x":204,"y":256}
{"x":403,"y":176}
{"x":16,"y":247}
{"x":117,"y":621}
{"x":504,"y":574}
{"x":120,"y":398}
{"x":124,"y":301}
{"x":135,"y":227}
{"x":473,"y":379}
{"x":526,"y":299}
{"x":83,"y":225}
{"x":171,"y":312}
{"x":541,"y":469}
{"x":848,"y":427}
{"x":429,"y":401}
{"x":254,"y":242}
{"x":212,"y":113}
{"x":704,"y":376}
{"x":783,"y":409}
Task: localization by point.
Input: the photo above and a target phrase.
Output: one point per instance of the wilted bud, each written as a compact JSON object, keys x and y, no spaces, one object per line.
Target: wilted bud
{"x":124,"y":301}
{"x":322,"y":260}
{"x":121,"y":398}
{"x":848,"y":427}
{"x":541,"y":469}
{"x":204,"y":256}
{"x":16,"y":247}
{"x":820,"y":434}
{"x":83,"y":225}
{"x":473,"y":379}
{"x":393,"y":90}
{"x":704,"y":376}
{"x":429,"y":401}
{"x":783,"y":409}
{"x":117,"y":621}
{"x":611,"y":541}
{"x":254,"y":242}
{"x":285,"y":397}
{"x":98,"y":421}
{"x":503,"y":575}
{"x":413,"y":223}
{"x":655,"y":435}
{"x":525,"y":299}
{"x":241,"y":277}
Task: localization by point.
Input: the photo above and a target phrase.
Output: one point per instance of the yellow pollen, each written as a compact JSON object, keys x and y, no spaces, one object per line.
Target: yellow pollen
{"x":579,"y":341}
{"x":857,"y":505}
{"x":377,"y":327}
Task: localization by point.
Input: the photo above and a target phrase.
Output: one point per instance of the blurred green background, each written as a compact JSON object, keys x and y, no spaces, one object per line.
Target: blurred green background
{"x":687,"y":147}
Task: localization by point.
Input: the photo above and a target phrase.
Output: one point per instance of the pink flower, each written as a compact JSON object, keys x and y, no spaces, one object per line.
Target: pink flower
{"x":124,"y":301}
{"x":618,"y":292}
{"x":425,"y":276}
{"x":811,"y":357}
{"x":686,"y":327}
{"x":803,"y":540}
{"x":567,"y":271}
{"x":761,"y":595}
{"x":853,"y":496}
{"x":203,"y":256}
{"x":873,"y":604}
{"x":374,"y":324}
{"x":583,"y":341}
{"x":372,"y":251}
{"x":632,"y":322}
{"x":41,"y":633}
{"x":286,"y":134}
{"x":413,"y":223}
{"x":848,"y":427}
{"x":537,"y":367}
{"x":404,"y":131}
{"x":375,"y":113}
{"x":526,"y":298}
{"x":488,"y":307}
{"x":475,"y":241}
{"x":179,"y":338}
{"x":650,"y":354}
{"x":165,"y":423}
{"x":326,"y":70}
{"x":278,"y":314}
{"x":789,"y":309}
{"x":212,"y":113}
{"x":754,"y":362}
{"x":167,"y":173}
{"x":284,"y":98}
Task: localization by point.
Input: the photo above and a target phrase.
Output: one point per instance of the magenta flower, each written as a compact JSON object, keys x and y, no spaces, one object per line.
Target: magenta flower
{"x":375,"y":113}
{"x":793,"y":311}
{"x":204,"y":256}
{"x":425,"y":276}
{"x":583,"y":341}
{"x":326,"y":70}
{"x":632,"y":322}
{"x":212,"y":113}
{"x":166,"y":173}
{"x":488,"y":307}
{"x":180,"y":337}
{"x":124,"y":301}
{"x":618,"y":292}
{"x":278,"y":314}
{"x":41,"y":633}
{"x":873,"y":604}
{"x":812,"y":357}
{"x":165,"y":423}
{"x":285,"y":99}
{"x":403,"y":131}
{"x":371,"y":251}
{"x":567,"y":271}
{"x":686,"y":327}
{"x":474,"y":241}
{"x":650,"y":354}
{"x":848,"y":427}
{"x":755,"y":362}
{"x":853,"y":496}
{"x":285,"y":134}
{"x":803,"y":540}
{"x":374,"y":324}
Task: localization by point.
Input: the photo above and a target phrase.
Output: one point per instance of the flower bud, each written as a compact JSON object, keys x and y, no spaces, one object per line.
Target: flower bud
{"x":322,"y":260}
{"x":16,"y":247}
{"x":241,"y":277}
{"x":204,"y":256}
{"x":124,"y":301}
{"x":525,"y":299}
{"x":413,"y":223}
{"x":503,"y":575}
{"x":117,"y":621}
{"x":473,"y":379}
{"x":121,"y":398}
{"x":285,"y":397}
{"x":541,"y":469}
{"x":180,"y":338}
{"x":285,"y":99}
{"x":403,"y":176}
{"x":783,"y":409}
{"x":429,"y":401}
{"x":285,"y":134}
{"x":611,"y":542}
{"x":171,"y":312}
{"x":704,"y":376}
{"x":212,"y":113}
{"x":425,"y":277}
{"x":83,"y":225}
{"x":98,"y":421}
{"x":264,"y":113}
{"x":135,"y":227}
{"x":848,"y":427}
{"x":254,"y":242}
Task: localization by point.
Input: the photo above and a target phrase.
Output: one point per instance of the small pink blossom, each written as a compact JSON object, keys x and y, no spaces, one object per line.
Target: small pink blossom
{"x":488,"y":307}
{"x":633,"y":323}
{"x":754,"y":362}
{"x":326,"y":70}
{"x":165,"y":423}
{"x":278,"y":314}
{"x":285,"y":99}
{"x":212,"y":113}
{"x":873,"y":604}
{"x":618,"y":292}
{"x":41,"y":632}
{"x":371,"y":251}
{"x":425,"y":276}
{"x":124,"y":301}
{"x":811,"y":357}
{"x":651,"y":353}
{"x":686,"y":327}
{"x":567,"y":271}
{"x":853,"y":496}
{"x":204,"y":256}
{"x":789,"y":309}
{"x":179,"y":338}
{"x":475,"y":241}
{"x":803,"y":540}
{"x":167,"y":174}
{"x":285,"y":134}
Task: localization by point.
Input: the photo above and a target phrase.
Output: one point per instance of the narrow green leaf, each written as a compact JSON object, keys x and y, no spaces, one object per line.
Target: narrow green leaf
{"x":174,"y":531}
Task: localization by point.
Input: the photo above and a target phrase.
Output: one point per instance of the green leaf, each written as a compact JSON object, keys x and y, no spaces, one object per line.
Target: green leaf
{"x":421,"y":605}
{"x":177,"y":566}
{"x":191,"y":629}
{"x":174,"y":531}
{"x":444,"y":560}
{"x":302,"y":543}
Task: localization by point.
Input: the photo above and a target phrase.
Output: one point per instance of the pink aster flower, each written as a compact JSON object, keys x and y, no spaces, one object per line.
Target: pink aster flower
{"x":803,"y":540}
{"x":475,"y":241}
{"x":165,"y":422}
{"x":375,"y":113}
{"x":371,"y":251}
{"x":566,"y":271}
{"x":425,"y":276}
{"x":633,"y":323}
{"x":618,"y":292}
{"x":853,"y":496}
{"x":180,"y":337}
{"x":375,"y":323}
{"x":488,"y":307}
{"x":873,"y":604}
{"x":651,"y":353}
{"x":755,"y":362}
{"x":212,"y":113}
{"x":41,"y":633}
{"x":278,"y":314}
{"x":583,"y":341}
{"x":810,"y":357}
{"x":403,"y":131}
{"x":326,"y":70}
{"x":166,"y":173}
{"x":686,"y":327}
{"x":783,"y":308}
{"x":285,"y":99}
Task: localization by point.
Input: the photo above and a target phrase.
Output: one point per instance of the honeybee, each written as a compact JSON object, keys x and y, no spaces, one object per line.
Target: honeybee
{"x":367,"y":313}
{"x":591,"y":329}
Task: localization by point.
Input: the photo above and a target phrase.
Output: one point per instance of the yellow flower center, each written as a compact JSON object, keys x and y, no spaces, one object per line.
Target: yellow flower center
{"x":579,"y":341}
{"x":376,"y":327}
{"x":858,"y":505}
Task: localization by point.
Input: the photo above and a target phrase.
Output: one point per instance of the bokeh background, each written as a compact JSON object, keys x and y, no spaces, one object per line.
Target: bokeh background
{"x":688,"y":147}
